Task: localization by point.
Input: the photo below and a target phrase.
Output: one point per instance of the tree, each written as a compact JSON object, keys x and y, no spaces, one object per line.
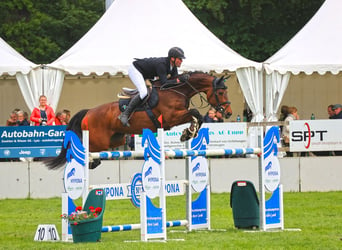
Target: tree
{"x":254,"y":28}
{"x":43,"y":30}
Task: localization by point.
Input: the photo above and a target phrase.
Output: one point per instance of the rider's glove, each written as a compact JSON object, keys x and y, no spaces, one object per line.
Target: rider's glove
{"x":184,"y":78}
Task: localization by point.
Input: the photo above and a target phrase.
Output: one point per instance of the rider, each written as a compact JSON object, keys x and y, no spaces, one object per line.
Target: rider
{"x":149,"y":68}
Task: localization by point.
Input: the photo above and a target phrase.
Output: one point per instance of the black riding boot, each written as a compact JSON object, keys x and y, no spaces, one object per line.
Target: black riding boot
{"x":124,"y":116}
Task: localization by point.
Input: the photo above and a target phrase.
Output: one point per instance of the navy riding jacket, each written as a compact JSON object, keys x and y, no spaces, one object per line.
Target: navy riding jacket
{"x":155,"y":67}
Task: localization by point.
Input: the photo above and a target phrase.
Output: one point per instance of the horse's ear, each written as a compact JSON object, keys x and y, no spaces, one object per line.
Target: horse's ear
{"x":226,"y":78}
{"x":220,"y":80}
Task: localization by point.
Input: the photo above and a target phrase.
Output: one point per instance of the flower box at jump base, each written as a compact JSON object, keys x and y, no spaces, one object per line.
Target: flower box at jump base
{"x":86,"y":225}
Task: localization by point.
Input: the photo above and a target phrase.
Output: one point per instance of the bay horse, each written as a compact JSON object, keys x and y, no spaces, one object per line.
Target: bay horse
{"x":106,"y":130}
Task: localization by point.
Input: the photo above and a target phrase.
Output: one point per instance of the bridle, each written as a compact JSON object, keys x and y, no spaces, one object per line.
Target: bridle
{"x":217,"y":85}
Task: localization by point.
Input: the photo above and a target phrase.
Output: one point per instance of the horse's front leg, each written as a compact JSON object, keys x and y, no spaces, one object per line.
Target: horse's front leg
{"x":195,"y":125}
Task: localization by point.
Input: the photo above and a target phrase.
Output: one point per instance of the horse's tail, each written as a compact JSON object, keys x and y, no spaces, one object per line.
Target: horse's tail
{"x":75,"y":126}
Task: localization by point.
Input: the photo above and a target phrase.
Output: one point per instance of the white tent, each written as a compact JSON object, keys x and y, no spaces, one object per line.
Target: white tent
{"x":11,"y":62}
{"x":33,"y":80}
{"x":146,"y":28}
{"x":315,"y":48}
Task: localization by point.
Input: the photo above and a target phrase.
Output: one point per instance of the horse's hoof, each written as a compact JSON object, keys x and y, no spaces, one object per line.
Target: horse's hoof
{"x":185,"y":136}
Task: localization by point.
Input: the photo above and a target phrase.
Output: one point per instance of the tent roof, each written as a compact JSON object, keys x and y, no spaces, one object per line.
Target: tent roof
{"x":145,"y":28}
{"x":12,"y":62}
{"x":316,"y":47}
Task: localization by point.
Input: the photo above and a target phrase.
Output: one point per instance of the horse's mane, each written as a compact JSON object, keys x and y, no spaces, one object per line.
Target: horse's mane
{"x":157,"y":83}
{"x":196,"y":72}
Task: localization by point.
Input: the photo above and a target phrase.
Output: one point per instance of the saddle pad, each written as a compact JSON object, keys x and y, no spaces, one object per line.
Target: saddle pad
{"x":152,"y":101}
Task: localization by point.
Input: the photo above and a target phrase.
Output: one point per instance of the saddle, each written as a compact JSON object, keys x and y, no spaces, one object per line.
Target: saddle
{"x":127,"y":94}
{"x":149,"y":103}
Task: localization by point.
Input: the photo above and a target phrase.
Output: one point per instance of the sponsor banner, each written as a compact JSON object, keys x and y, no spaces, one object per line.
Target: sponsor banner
{"x":221,"y":135}
{"x":273,"y":208}
{"x":122,"y":191}
{"x":31,"y":141}
{"x":154,"y":218}
{"x":199,"y":212}
{"x":151,"y":178}
{"x":200,"y":173}
{"x":272,"y":173}
{"x":315,"y":135}
{"x":271,"y":180}
{"x":74,"y":179}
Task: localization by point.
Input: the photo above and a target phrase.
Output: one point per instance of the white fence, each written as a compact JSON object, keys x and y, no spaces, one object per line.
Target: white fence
{"x":33,"y":179}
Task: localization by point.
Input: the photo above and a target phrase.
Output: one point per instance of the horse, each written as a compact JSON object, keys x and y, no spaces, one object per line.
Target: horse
{"x":172,"y":109}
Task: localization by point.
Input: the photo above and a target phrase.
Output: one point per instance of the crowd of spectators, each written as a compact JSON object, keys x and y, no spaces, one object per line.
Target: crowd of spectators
{"x":40,"y":116}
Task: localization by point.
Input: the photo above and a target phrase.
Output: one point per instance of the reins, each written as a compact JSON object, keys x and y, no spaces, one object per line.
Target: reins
{"x":204,"y":102}
{"x":172,"y":88}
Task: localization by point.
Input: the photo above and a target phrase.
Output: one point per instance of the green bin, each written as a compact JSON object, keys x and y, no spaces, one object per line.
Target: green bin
{"x":86,"y":231}
{"x":245,"y":204}
{"x":90,"y":230}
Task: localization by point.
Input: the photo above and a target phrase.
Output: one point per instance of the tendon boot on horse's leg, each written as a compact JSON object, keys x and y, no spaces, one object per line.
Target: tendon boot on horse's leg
{"x":124,"y":116}
{"x":192,"y":131}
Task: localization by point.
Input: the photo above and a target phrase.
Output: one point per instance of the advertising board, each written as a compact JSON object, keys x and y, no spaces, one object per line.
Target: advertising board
{"x":315,"y":135}
{"x":31,"y":141}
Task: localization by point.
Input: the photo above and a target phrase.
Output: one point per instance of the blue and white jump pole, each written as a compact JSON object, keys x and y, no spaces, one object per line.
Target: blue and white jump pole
{"x":191,"y":155}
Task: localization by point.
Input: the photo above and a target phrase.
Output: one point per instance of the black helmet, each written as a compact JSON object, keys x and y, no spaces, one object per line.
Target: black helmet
{"x":176,"y":52}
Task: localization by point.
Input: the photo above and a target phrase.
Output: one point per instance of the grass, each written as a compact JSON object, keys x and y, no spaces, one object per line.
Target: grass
{"x":318,"y":215}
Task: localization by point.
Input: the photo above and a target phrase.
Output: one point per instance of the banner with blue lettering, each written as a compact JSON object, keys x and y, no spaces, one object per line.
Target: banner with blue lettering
{"x":199,"y":180}
{"x":31,"y":141}
{"x":273,"y":206}
{"x":151,"y":180}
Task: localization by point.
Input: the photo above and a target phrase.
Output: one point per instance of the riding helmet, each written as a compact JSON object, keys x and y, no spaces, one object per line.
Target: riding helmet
{"x":176,"y":52}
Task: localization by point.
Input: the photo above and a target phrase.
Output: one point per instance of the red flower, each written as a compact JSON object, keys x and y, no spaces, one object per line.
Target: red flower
{"x":79,"y":208}
{"x":91,"y":208}
{"x":98,"y":210}
{"x":75,"y":223}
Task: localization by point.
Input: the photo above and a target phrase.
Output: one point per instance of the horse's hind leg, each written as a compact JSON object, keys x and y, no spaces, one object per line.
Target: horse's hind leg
{"x":117,"y":139}
{"x":195,"y":125}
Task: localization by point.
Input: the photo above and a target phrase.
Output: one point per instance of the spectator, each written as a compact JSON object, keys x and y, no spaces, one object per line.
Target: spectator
{"x":22,"y":121}
{"x":12,"y":121}
{"x":331,"y":112}
{"x":219,"y":116}
{"x":68,"y":115}
{"x":331,"y":116}
{"x":283,"y":112}
{"x":337,"y":108}
{"x":247,"y":115}
{"x":210,"y":116}
{"x":44,"y":114}
{"x":60,"y":118}
{"x":292,"y":115}
{"x":26,"y":116}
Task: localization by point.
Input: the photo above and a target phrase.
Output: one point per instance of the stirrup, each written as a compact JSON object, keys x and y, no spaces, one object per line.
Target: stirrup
{"x":124,"y":123}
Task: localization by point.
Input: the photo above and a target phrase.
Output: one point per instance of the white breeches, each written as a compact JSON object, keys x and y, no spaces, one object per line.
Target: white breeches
{"x":138,"y":80}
